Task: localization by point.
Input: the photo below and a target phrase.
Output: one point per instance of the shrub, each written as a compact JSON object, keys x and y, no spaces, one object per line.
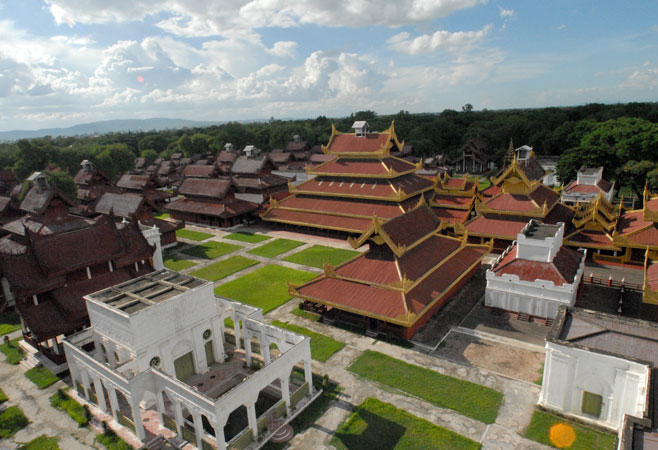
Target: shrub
{"x":12,"y":419}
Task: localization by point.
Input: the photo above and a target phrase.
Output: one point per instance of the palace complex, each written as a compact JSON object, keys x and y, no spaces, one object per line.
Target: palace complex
{"x":409,"y":273}
{"x":360,"y":182}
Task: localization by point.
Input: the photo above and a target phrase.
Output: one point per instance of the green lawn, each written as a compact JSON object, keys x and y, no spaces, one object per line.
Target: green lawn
{"x":9,"y":322}
{"x":265,"y":288}
{"x":174,"y":263}
{"x":565,"y":431}
{"x":192,"y":235}
{"x":382,"y":426}
{"x":469,"y":399}
{"x":113,"y":442}
{"x":243,"y":236}
{"x":163,"y":216}
{"x":322,"y":347}
{"x":3,"y":397}
{"x":211,"y":249}
{"x":224,"y":268}
{"x":12,"y":419}
{"x":41,"y":376}
{"x":60,"y":400}
{"x":42,"y":442}
{"x":318,"y":254}
{"x":12,"y":351}
{"x":306,"y":314}
{"x":274,"y":248}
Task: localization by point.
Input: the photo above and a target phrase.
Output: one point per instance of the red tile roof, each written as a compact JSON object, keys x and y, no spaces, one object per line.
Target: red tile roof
{"x":205,"y":187}
{"x":490,"y":225}
{"x":559,"y":213}
{"x":199,"y":171}
{"x":135,"y":182}
{"x":408,"y":228}
{"x":545,"y":194}
{"x":386,"y":210}
{"x":561,"y":271}
{"x":366,"y":187}
{"x":599,"y":239}
{"x":344,"y":166}
{"x":452,"y":200}
{"x":350,"y":143}
{"x":232,"y":208}
{"x":511,"y":203}
{"x":318,"y":220}
{"x":451,"y":215}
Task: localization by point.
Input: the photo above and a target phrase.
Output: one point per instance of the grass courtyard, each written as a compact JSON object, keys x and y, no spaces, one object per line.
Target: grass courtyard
{"x":192,"y":235}
{"x":224,"y":268}
{"x":42,"y":442}
{"x":173,"y":262}
{"x":469,"y":399}
{"x":382,"y":426}
{"x":211,"y":249}
{"x":322,"y":347}
{"x":12,"y":351}
{"x":244,"y":236}
{"x":560,"y":433}
{"x":12,"y":419}
{"x":41,"y":376}
{"x":318,"y":254}
{"x":265,"y":288}
{"x":275,"y":248}
{"x":9,"y":322}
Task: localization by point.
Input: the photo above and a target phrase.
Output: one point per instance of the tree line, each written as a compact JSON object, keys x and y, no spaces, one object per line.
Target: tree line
{"x":623,"y":138}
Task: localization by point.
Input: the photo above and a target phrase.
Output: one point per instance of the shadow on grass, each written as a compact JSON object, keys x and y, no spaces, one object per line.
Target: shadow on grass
{"x":369,"y":430}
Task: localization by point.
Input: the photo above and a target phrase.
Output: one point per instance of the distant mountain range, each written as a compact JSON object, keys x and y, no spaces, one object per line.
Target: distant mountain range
{"x":108,"y":126}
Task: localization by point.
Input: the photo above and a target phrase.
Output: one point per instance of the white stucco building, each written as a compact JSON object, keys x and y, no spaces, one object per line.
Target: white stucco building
{"x":598,"y":367}
{"x":536,"y":274}
{"x":159,"y":342}
{"x":588,"y":184}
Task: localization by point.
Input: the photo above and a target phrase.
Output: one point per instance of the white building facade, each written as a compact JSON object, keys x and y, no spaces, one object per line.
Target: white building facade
{"x":588,"y":185}
{"x":591,"y":382}
{"x":536,"y":274}
{"x":160,"y":342}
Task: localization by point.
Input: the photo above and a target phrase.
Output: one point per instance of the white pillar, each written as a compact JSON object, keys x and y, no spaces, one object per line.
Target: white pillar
{"x":178,"y":412}
{"x":247,"y":348}
{"x":220,"y":423}
{"x":308,"y":374}
{"x":114,"y":402}
{"x":198,"y":429}
{"x":137,"y":419}
{"x":265,"y":349}
{"x":285,"y":391}
{"x":253,"y":422}
{"x":100,"y":394}
{"x":159,"y":406}
{"x":237,"y":331}
{"x":86,"y":384}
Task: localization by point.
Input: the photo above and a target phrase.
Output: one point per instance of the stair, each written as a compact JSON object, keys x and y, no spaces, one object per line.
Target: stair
{"x":372,"y":333}
{"x":283,"y":433}
{"x":549,"y":322}
{"x":523,"y":317}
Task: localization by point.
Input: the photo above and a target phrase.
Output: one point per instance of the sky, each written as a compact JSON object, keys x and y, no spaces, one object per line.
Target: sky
{"x":64,"y":62}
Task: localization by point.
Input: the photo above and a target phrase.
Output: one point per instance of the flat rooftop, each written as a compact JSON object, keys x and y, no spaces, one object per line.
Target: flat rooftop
{"x":541,"y":231}
{"x":614,"y":335}
{"x":147,"y":290}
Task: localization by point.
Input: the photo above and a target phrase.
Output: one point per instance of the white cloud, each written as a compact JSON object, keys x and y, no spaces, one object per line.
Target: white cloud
{"x":283,"y":49}
{"x":202,"y":18}
{"x":439,"y":40}
{"x":654,"y":28}
{"x":644,"y":78}
{"x":506,"y":13}
{"x":561,"y":27}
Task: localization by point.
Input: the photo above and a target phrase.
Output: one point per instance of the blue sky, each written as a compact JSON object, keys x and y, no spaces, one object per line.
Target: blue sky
{"x":64,"y":62}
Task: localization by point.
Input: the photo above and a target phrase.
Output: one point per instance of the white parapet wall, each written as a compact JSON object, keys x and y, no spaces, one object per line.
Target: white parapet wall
{"x":572,"y":373}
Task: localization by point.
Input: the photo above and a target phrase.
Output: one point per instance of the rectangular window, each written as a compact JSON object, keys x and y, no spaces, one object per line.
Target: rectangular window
{"x":591,"y":404}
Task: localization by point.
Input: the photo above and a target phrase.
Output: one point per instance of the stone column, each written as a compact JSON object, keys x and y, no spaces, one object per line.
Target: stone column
{"x":308,"y":374}
{"x":247,"y":348}
{"x":178,"y":412}
{"x":220,"y":423}
{"x":253,"y":422}
{"x":160,"y":407}
{"x":237,"y":331}
{"x":265,"y":349}
{"x":86,"y":384}
{"x":285,"y":391}
{"x":114,"y":402}
{"x":137,"y":419}
{"x":198,"y":429}
{"x":100,"y":394}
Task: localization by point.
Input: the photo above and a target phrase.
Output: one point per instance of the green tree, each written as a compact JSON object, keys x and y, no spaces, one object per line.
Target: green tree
{"x":150,"y":155}
{"x":64,"y":182}
{"x":114,"y":159}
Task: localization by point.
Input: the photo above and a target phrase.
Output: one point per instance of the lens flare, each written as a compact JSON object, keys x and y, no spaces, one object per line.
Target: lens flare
{"x":562,"y":435}
{"x":140,"y":79}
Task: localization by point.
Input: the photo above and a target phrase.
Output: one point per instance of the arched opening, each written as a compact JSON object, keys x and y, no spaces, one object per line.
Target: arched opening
{"x":237,"y":421}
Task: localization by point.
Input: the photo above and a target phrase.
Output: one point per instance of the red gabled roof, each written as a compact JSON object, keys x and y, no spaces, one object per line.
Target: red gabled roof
{"x":451,"y":215}
{"x":560,"y":271}
{"x":408,"y":228}
{"x":318,"y":220}
{"x":511,"y":202}
{"x":366,"y":187}
{"x":350,"y":143}
{"x":597,"y":238}
{"x":205,"y":187}
{"x":386,"y":210}
{"x":500,"y":226}
{"x":543,"y":194}
{"x":344,"y":166}
{"x":224,"y":209}
{"x":199,"y":171}
{"x":452,"y":200}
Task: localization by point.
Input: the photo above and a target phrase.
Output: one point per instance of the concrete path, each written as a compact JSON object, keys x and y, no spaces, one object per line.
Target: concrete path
{"x":44,"y":419}
{"x":513,"y":417}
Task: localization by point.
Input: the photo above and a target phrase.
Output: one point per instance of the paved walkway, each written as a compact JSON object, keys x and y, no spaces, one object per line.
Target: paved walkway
{"x":44,"y":419}
{"x":514,"y":415}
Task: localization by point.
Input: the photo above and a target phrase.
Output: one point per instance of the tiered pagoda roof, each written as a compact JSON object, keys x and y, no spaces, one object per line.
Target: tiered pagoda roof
{"x":515,"y":197}
{"x":454,"y":198}
{"x":359,"y":181}
{"x":593,"y":225}
{"x":409,"y":271}
{"x":639,"y":228}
